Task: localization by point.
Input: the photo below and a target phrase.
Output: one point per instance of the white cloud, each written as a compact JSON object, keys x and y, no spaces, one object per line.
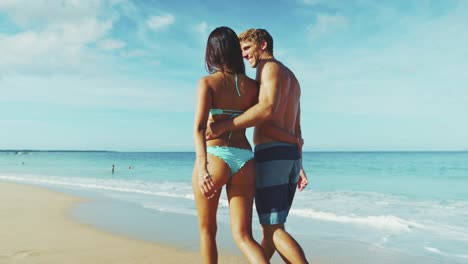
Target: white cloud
{"x":200,"y":32}
{"x":108,"y":92}
{"x":111,"y":44}
{"x":418,"y":73}
{"x":7,"y":3}
{"x":86,"y":31}
{"x":330,"y":3}
{"x":327,"y":23}
{"x":58,"y":36}
{"x":202,"y":28}
{"x":57,"y":47}
{"x":312,"y":2}
{"x":160,"y":22}
{"x":137,"y":53}
{"x":25,"y":12}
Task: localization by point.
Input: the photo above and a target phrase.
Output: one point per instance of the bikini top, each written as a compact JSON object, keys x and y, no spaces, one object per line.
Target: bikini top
{"x":233,"y":113}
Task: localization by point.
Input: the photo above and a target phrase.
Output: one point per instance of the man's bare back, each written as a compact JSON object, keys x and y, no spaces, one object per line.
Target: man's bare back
{"x":287,"y":111}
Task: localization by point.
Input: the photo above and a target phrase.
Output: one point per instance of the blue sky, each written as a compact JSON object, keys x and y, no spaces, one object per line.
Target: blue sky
{"x":121,"y":75}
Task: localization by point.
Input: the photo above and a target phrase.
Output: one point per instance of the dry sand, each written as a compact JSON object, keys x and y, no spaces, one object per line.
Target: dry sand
{"x":35,"y":227}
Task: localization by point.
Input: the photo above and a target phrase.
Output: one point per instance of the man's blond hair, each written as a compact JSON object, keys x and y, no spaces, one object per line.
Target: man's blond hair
{"x":257,"y":35}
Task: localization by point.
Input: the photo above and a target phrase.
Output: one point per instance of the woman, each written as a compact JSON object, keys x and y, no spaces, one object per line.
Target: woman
{"x":228,"y":160}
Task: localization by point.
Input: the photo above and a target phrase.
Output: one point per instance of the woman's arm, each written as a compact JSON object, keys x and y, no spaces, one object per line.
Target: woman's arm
{"x":203,"y":104}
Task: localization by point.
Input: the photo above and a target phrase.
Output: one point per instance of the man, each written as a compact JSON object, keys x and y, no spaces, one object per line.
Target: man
{"x":279,"y":165}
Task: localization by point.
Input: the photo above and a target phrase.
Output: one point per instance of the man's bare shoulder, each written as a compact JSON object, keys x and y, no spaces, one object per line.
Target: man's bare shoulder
{"x":271,"y":64}
{"x":269,"y":69}
{"x":293,"y":77}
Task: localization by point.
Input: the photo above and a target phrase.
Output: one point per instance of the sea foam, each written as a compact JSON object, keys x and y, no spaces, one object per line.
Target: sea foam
{"x":386,"y":222}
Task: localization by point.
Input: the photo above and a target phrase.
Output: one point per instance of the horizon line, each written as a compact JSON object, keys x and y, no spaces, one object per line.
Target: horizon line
{"x":192,"y":151}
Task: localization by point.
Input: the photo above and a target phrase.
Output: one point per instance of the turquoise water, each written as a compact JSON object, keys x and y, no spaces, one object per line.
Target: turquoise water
{"x":413,"y":202}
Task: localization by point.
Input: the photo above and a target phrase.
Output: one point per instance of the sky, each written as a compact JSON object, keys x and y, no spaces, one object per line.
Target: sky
{"x":121,"y":74}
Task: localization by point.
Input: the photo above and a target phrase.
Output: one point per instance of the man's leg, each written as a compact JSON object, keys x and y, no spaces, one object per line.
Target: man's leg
{"x":277,"y":176}
{"x":276,"y":238}
{"x":267,"y":241}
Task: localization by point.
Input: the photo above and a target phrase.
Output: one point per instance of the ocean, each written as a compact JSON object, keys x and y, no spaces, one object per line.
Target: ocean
{"x":415,"y":203}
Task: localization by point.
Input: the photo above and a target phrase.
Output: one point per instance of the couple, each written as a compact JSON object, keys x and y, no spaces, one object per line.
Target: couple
{"x":228,"y":102}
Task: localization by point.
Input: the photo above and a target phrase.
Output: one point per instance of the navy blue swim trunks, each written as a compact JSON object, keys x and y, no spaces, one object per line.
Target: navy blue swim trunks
{"x":278,"y":165}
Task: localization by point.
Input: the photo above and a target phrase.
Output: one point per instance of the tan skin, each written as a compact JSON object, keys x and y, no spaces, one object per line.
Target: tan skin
{"x":278,"y":107}
{"x":274,"y":119}
{"x":218,"y":91}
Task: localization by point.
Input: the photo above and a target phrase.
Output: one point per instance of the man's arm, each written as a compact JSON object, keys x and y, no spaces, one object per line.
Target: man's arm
{"x":268,"y":100}
{"x":303,"y":181}
{"x":298,"y":129}
{"x":272,"y":131}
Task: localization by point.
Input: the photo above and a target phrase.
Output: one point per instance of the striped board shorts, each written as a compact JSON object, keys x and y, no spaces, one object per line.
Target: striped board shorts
{"x":277,"y":165}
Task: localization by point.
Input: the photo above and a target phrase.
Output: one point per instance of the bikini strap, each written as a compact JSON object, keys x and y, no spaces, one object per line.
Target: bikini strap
{"x":237,"y":86}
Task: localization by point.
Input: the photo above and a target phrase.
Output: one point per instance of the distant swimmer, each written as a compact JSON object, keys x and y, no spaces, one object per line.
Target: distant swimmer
{"x":113,"y":168}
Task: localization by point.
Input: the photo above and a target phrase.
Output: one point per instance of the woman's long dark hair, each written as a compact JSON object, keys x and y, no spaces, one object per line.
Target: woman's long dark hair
{"x":223,"y":52}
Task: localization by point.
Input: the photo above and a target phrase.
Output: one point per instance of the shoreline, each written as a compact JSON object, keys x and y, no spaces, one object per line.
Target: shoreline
{"x":84,"y":227}
{"x":39,"y":228}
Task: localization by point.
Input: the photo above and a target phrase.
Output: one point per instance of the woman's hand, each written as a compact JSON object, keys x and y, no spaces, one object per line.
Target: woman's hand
{"x":206,"y":185}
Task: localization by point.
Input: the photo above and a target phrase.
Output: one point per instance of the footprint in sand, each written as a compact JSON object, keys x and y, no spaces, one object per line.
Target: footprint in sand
{"x":27,"y":253}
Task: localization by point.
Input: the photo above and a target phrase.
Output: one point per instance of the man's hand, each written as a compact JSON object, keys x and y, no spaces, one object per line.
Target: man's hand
{"x":213,"y":130}
{"x":303,"y":181}
{"x":300,"y":143}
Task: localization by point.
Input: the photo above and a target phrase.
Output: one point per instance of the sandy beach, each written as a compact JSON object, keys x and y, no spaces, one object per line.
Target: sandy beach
{"x":35,"y":227}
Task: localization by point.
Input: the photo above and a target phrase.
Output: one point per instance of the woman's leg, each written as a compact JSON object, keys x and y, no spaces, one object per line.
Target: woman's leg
{"x":241,"y":192}
{"x":207,"y":208}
